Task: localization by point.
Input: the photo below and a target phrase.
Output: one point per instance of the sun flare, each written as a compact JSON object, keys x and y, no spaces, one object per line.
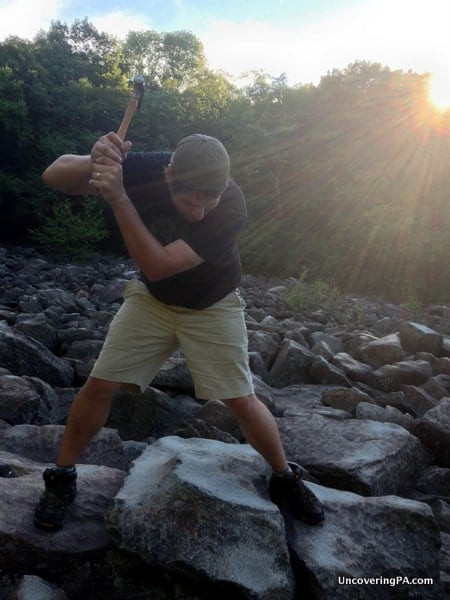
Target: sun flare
{"x":439,"y":91}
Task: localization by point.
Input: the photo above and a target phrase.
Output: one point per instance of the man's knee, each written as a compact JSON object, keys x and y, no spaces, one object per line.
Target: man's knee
{"x":99,"y":389}
{"x":242,"y":406}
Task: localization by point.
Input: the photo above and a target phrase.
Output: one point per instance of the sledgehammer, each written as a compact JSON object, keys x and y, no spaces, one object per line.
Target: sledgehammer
{"x":133,"y":104}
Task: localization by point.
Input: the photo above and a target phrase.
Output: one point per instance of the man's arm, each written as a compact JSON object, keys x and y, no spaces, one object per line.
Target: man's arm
{"x":155,"y":260}
{"x":71,"y":173}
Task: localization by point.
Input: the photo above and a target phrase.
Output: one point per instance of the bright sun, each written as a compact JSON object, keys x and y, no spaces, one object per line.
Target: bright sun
{"x":439,"y":92}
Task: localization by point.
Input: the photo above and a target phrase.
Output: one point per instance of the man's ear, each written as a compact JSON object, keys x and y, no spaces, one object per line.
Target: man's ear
{"x":168,"y":173}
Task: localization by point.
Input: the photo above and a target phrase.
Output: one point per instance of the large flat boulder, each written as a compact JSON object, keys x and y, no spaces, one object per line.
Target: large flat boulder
{"x":367,"y":548}
{"x":23,"y":546}
{"x":201,"y":507}
{"x":367,"y":457}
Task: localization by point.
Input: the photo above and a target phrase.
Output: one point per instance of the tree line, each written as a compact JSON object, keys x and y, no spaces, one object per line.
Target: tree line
{"x":348,"y":179}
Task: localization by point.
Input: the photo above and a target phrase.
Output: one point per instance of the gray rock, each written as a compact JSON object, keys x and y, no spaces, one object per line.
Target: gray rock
{"x":433,"y":429}
{"x":386,"y":350}
{"x":38,"y":327}
{"x":435,"y":480}
{"x":438,"y":386}
{"x":295,"y":397}
{"x":217,"y":415}
{"x":345,"y":398}
{"x":416,"y":337}
{"x":32,"y":587}
{"x":110,"y":292}
{"x":415,"y":400}
{"x":84,"y":531}
{"x":265,"y":344}
{"x":22,"y":400}
{"x":391,"y":378}
{"x":360,"y":456}
{"x":187,"y":502}
{"x":325,"y":373}
{"x":42,"y":443}
{"x":23,"y":355}
{"x":154,"y":413}
{"x":174,"y":375}
{"x":352,"y":368}
{"x":292,"y":364}
{"x":388,"y":414}
{"x":372,"y":538}
{"x":197,"y":428}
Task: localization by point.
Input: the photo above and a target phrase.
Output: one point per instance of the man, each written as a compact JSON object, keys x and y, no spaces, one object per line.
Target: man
{"x":179,"y":215}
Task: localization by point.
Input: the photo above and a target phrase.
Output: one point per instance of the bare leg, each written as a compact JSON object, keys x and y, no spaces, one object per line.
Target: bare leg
{"x":260,"y":429}
{"x":87,"y":415}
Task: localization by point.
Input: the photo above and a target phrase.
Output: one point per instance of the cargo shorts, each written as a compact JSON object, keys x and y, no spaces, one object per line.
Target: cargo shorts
{"x":145,"y":332}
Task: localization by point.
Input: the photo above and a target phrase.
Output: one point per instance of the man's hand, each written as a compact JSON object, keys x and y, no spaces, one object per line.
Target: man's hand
{"x":107,"y":156}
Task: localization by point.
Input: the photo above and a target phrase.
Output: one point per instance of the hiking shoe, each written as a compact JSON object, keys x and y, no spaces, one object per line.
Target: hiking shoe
{"x":60,"y":491}
{"x":288,"y":489}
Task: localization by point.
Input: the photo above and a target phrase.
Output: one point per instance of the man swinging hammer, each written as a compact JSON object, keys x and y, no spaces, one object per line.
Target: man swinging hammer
{"x":179,"y":215}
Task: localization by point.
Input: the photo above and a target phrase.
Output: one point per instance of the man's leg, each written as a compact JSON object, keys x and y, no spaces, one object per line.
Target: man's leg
{"x":285,"y":487}
{"x":88,"y":413}
{"x":260,"y":429}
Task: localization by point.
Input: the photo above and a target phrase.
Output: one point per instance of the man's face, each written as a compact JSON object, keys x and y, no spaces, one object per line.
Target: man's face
{"x":193,"y":206}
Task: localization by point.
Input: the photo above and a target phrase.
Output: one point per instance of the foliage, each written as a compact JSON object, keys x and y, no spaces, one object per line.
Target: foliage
{"x":349,"y":177}
{"x":67,"y":231}
{"x":306,"y":295}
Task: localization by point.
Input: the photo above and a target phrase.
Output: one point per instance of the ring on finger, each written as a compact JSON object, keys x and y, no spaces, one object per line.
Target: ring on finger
{"x":97,"y":175}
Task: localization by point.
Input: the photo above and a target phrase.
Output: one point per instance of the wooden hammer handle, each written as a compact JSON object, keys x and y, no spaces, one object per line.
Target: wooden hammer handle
{"x":127,"y":117}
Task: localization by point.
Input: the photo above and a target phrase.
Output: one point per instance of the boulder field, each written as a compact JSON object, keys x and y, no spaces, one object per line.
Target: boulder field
{"x":173,"y":503}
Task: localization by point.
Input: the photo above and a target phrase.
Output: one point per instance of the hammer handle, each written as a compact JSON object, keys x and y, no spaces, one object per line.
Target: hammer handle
{"x":131,"y":109}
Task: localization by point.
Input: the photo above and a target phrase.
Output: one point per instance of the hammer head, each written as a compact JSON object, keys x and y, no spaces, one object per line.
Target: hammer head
{"x":138,"y":90}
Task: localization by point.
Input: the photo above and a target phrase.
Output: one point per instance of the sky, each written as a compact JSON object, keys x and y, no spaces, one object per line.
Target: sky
{"x":302,"y":38}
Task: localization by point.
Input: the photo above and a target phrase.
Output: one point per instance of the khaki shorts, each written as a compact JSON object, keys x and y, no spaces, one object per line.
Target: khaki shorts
{"x":145,"y":332}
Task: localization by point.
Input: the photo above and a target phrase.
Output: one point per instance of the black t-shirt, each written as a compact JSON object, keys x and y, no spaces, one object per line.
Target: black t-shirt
{"x":214,"y":238}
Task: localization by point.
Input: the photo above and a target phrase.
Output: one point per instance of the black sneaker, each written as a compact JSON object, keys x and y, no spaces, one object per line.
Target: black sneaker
{"x":60,"y":491}
{"x":290,"y":490}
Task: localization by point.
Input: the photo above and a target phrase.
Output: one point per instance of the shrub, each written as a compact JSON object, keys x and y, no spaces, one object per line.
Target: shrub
{"x":72,"y":231}
{"x":305,"y":295}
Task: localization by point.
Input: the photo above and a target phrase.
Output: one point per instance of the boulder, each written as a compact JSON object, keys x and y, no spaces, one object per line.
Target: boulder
{"x":154,"y":413}
{"x":434,"y":431}
{"x":367,"y":548}
{"x":325,"y":373}
{"x":391,"y":378}
{"x":356,"y":455}
{"x":416,"y":337}
{"x":292,"y":364}
{"x":42,"y":443}
{"x":351,"y":367}
{"x":26,"y":400}
{"x":265,"y":344}
{"x":415,"y":400}
{"x":201,"y":507}
{"x":23,"y":546}
{"x":23,"y":355}
{"x":386,"y":350}
{"x":31,"y":587}
{"x":345,"y":398}
{"x":387,"y":414}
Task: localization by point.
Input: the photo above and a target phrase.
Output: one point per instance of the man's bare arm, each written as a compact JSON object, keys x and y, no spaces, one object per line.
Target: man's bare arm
{"x":71,"y":173}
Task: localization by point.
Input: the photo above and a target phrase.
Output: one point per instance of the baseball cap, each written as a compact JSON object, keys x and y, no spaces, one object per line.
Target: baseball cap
{"x":201,"y":163}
